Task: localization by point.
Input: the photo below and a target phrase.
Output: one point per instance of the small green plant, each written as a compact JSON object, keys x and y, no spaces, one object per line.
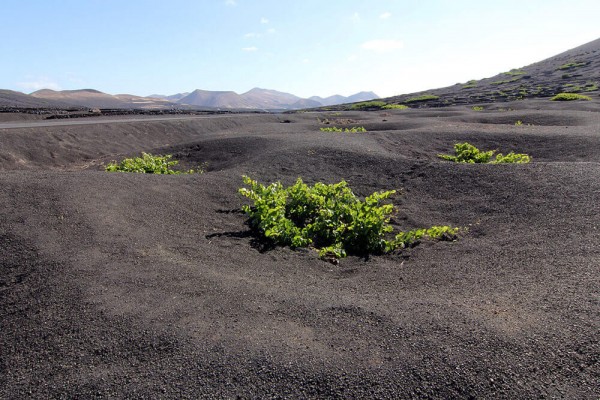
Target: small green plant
{"x":377,"y":105}
{"x":477,"y":108}
{"x":329,"y":218}
{"x":569,"y":97}
{"x":519,"y":123}
{"x":512,"y":158}
{"x":368,"y":105}
{"x":467,"y":153}
{"x":394,"y":107}
{"x":506,"y":81}
{"x":150,"y":164}
{"x":590,"y":87}
{"x":425,"y":97}
{"x":354,"y":129}
{"x":515,"y":72}
{"x":407,"y":239}
{"x":471,"y":84}
{"x":572,"y":65}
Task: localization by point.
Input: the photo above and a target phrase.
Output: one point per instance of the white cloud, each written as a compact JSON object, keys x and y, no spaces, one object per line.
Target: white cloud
{"x":352,"y":57}
{"x":271,"y":31}
{"x":306,"y":61}
{"x":38,"y":84}
{"x":250,"y":49}
{"x":231,"y":3}
{"x":263,"y":20}
{"x":252,"y":35}
{"x":382,"y":45}
{"x":385,"y":15}
{"x":355,"y":17}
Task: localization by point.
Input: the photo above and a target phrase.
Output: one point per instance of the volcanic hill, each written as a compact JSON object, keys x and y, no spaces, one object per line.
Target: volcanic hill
{"x":574,"y":71}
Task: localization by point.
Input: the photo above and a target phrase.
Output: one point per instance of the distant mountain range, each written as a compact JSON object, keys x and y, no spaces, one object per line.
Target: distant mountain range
{"x":255,"y":99}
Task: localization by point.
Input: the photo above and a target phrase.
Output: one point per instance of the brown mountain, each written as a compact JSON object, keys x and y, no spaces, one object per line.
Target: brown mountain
{"x":12,"y":99}
{"x":214,"y":99}
{"x":96,"y":99}
{"x":256,"y":98}
{"x":264,"y":99}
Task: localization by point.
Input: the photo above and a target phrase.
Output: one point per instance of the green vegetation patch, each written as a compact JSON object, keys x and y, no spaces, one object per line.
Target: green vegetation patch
{"x":515,"y":72}
{"x":506,"y":81}
{"x":151,"y":164}
{"x":471,"y":84}
{"x":467,"y":153}
{"x":572,"y":65}
{"x":394,"y":107}
{"x":425,"y":97}
{"x":477,"y":108}
{"x":368,"y":105}
{"x":354,"y":129}
{"x":512,"y":158}
{"x":377,"y":105}
{"x":569,"y":97}
{"x":330,"y":219}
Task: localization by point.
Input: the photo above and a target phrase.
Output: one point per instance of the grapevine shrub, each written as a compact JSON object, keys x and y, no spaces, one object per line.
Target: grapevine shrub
{"x":330,"y":218}
{"x":570,"y":97}
{"x":467,"y":153}
{"x":354,"y":129}
{"x":150,"y":164}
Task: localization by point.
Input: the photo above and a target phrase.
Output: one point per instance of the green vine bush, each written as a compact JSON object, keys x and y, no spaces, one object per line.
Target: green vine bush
{"x":571,"y":65}
{"x":512,"y":158}
{"x":424,"y":97}
{"x":467,"y":153}
{"x":394,"y":107}
{"x":570,"y":97}
{"x":151,"y":164}
{"x":329,"y":218}
{"x":373,"y":104}
{"x":377,"y":105}
{"x":354,"y":129}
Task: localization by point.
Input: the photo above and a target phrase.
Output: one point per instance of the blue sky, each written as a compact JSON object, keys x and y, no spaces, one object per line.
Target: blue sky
{"x":305,"y":47}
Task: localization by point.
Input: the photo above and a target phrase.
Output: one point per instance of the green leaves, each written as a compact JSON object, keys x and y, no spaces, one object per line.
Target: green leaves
{"x":512,"y":158}
{"x":570,"y":97}
{"x":407,"y":239}
{"x":150,"y":164}
{"x":328,"y":217}
{"x":377,"y":105}
{"x":424,"y":97}
{"x":467,"y":153}
{"x":354,"y":129}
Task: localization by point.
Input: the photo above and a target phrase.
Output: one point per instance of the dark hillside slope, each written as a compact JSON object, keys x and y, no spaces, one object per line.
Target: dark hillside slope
{"x":574,"y":71}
